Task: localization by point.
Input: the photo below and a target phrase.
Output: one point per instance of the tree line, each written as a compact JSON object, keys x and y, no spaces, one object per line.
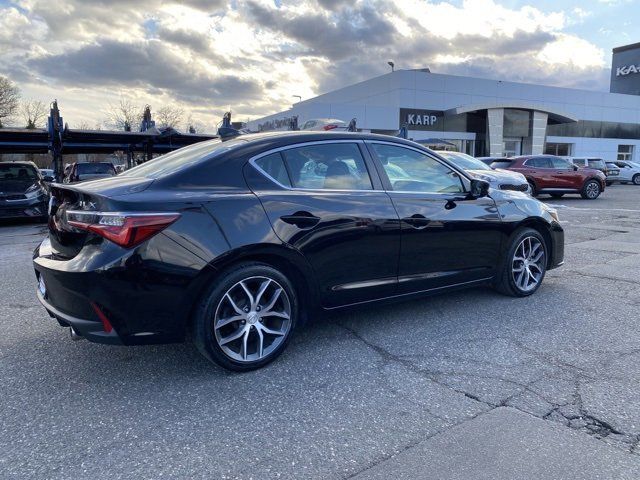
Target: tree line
{"x":123,"y":115}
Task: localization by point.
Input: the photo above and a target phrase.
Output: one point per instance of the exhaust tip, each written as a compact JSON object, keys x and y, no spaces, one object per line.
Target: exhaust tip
{"x":75,"y":336}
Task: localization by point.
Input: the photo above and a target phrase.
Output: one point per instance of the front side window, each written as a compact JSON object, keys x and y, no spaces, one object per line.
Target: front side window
{"x":330,"y":166}
{"x":412,"y":171}
{"x":538,"y":162}
{"x":560,"y":163}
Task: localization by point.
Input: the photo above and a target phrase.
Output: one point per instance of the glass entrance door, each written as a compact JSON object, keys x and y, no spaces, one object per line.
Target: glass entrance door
{"x":512,"y":147}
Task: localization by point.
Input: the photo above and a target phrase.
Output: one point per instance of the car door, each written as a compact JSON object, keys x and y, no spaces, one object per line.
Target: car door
{"x":326,"y":200}
{"x":539,"y":169}
{"x":626,"y":172}
{"x":448,"y":237}
{"x":563,"y":173}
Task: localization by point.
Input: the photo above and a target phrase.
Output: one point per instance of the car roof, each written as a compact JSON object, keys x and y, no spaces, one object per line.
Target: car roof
{"x":19,"y":162}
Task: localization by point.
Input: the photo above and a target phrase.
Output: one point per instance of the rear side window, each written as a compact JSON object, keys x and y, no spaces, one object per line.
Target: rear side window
{"x":95,"y":168}
{"x":331,"y":166}
{"x":273,"y":165}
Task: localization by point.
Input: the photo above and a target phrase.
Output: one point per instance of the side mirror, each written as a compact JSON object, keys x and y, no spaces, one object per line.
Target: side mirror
{"x":48,"y":178}
{"x":575,"y":168}
{"x":479,"y":188}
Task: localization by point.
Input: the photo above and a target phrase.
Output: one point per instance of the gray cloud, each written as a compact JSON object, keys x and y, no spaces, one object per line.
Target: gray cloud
{"x":333,"y":36}
{"x":144,"y":65}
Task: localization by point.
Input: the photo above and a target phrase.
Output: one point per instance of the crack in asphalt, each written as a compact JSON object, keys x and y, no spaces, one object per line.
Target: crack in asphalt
{"x":572,"y":414}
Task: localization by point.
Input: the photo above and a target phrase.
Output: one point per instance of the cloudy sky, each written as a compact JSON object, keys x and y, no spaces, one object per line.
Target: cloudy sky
{"x":254,"y":55}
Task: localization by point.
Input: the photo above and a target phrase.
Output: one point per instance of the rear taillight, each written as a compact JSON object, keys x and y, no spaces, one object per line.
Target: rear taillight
{"x":124,"y":229}
{"x":330,"y":127}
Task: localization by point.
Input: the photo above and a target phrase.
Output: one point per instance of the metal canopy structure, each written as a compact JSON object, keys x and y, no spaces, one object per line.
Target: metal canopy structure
{"x":58,"y":140}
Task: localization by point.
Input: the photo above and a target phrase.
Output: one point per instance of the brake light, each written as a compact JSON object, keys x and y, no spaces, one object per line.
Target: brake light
{"x":330,"y":127}
{"x":124,"y":229}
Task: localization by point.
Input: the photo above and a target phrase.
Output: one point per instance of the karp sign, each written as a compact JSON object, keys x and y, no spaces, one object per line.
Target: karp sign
{"x":420,"y":119}
{"x":626,"y":70}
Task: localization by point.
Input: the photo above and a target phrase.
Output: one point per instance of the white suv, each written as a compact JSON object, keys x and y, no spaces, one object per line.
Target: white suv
{"x":629,"y":172}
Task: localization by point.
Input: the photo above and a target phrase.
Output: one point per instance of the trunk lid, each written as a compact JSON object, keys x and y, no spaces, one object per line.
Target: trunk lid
{"x":67,"y":241}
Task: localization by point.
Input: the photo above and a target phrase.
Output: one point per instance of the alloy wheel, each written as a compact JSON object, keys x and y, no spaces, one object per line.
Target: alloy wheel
{"x":528,"y":264}
{"x":593,"y":190}
{"x":252,"y":319}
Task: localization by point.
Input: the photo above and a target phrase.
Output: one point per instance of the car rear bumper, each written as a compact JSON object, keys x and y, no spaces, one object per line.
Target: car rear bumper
{"x":89,"y":329}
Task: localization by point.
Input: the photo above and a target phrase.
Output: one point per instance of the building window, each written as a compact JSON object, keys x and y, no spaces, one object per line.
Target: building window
{"x":559,"y":149}
{"x":625,"y":152}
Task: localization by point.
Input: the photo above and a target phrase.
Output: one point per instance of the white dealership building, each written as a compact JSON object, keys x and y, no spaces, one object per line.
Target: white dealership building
{"x":489,"y":117}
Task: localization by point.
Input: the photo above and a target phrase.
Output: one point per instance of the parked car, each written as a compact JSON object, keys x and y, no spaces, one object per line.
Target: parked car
{"x":629,"y":172}
{"x":23,"y":193}
{"x":234,"y":243}
{"x":83,"y":171}
{"x":497,"y":178}
{"x":325,"y":124}
{"x":47,"y":174}
{"x":556,"y":176}
{"x":590,"y":162}
{"x":613,"y":173}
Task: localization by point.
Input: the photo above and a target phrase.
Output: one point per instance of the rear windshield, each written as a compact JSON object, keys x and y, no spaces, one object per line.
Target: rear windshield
{"x":596,"y":163}
{"x":17,"y":172}
{"x":501,"y":164}
{"x":181,"y":158}
{"x":95,"y":168}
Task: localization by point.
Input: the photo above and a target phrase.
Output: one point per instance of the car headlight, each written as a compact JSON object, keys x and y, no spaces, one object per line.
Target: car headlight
{"x":554,"y":214}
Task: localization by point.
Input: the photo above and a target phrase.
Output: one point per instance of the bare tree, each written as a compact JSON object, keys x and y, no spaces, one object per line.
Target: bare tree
{"x":9,"y":99}
{"x":195,"y":125}
{"x":169,"y":116}
{"x":123,"y":115}
{"x":34,"y":113}
{"x":84,"y":125}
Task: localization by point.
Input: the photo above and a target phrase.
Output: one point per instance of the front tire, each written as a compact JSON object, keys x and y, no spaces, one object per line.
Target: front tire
{"x":247,"y":317}
{"x":532,"y":189}
{"x":636,"y":179}
{"x":591,"y":190}
{"x":524,"y":266}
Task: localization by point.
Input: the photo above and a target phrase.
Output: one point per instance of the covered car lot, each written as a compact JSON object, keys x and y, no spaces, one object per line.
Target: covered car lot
{"x":351,"y":391}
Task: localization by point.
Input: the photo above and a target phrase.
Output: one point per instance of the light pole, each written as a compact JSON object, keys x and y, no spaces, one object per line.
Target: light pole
{"x":392,"y":65}
{"x":298,"y":97}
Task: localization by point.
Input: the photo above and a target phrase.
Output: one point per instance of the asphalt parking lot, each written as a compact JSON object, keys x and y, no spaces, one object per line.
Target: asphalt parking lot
{"x":352,"y":395}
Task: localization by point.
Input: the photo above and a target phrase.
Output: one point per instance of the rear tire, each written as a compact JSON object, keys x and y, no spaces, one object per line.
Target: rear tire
{"x":524,"y":264}
{"x":246,"y":318}
{"x":636,"y":179}
{"x":591,"y":190}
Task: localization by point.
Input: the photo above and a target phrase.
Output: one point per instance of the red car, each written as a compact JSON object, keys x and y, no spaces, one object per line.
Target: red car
{"x":556,"y":176}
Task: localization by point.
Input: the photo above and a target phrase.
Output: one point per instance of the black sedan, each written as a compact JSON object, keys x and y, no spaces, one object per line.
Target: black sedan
{"x":233,"y":244}
{"x":23,"y":193}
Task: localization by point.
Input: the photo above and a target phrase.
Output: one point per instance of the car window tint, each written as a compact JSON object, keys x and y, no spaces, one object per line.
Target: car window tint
{"x":501,"y":164}
{"x":330,"y":166}
{"x":560,"y":163}
{"x":410,"y":170}
{"x":273,"y":166}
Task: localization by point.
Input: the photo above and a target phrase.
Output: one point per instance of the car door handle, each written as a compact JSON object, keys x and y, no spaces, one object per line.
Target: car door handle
{"x":417,"y":221}
{"x":301,"y":220}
